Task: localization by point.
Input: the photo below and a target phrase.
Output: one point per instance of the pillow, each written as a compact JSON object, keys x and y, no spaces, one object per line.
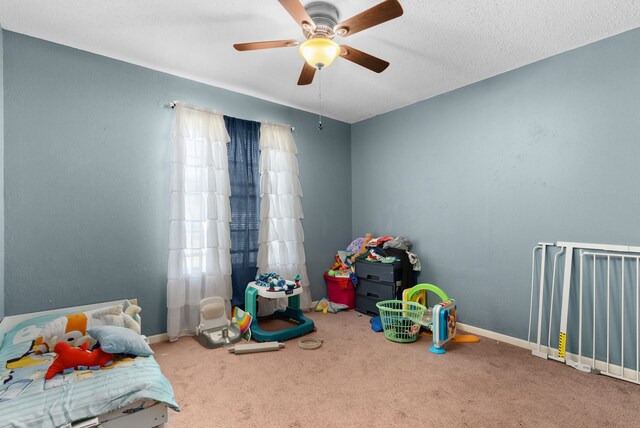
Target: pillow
{"x":120,"y":340}
{"x":1,"y":338}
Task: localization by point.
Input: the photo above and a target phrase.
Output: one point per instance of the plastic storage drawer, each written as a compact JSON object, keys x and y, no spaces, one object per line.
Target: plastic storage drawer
{"x":385,"y":272}
{"x":376,"y":290}
{"x":367,"y":305}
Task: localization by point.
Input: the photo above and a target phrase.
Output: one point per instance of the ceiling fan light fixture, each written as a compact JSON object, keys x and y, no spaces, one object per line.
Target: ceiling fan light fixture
{"x":319,"y":52}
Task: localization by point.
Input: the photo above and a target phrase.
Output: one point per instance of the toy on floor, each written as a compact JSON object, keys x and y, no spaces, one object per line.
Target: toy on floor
{"x":310,"y":343}
{"x":325,"y":306}
{"x":272,"y":286}
{"x":401,"y":319}
{"x":458,"y":338}
{"x":441,"y":320}
{"x":243,"y":319}
{"x":249,"y":348}
{"x":68,"y":359}
{"x":215,"y":329}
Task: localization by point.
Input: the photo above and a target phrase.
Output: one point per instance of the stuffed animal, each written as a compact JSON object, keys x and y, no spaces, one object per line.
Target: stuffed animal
{"x":363,"y":249}
{"x":72,"y":329}
{"x":74,"y":358}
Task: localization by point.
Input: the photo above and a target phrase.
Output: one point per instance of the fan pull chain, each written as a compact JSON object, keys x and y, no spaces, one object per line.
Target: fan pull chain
{"x":320,"y":98}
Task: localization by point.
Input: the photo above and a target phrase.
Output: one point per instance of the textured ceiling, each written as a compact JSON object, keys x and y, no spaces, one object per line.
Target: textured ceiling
{"x":435,"y":47}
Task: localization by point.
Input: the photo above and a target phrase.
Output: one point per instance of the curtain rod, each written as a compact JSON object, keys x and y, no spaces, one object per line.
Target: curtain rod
{"x":173,"y":104}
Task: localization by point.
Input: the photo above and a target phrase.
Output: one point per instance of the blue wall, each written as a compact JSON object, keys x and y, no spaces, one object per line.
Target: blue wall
{"x":87,"y":143}
{"x":476,"y":177}
{"x":1,"y":176}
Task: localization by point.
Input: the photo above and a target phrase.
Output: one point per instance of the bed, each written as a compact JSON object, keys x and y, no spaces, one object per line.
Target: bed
{"x":131,"y":392}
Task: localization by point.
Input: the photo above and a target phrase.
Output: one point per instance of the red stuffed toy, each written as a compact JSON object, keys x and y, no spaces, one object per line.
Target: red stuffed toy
{"x":68,"y":357}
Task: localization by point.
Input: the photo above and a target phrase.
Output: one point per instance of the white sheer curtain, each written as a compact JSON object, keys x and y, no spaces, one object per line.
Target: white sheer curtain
{"x":199,"y":241}
{"x":281,"y":238}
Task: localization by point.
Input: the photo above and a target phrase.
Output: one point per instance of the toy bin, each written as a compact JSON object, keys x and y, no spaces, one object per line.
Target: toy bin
{"x":341,"y":290}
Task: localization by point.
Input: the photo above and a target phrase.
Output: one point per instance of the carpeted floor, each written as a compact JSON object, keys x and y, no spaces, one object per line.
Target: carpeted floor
{"x":360,"y":379}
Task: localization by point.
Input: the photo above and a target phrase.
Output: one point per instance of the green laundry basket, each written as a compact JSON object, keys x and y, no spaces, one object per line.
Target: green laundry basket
{"x":401,"y":320}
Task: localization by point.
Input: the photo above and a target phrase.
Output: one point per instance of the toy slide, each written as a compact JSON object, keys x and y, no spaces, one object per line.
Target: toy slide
{"x":441,"y":320}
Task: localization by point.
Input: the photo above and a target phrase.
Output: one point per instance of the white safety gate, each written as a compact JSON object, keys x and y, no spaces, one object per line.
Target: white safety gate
{"x":585,"y":307}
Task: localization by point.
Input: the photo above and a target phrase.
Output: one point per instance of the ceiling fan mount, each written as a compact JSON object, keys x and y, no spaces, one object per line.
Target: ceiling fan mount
{"x":325,"y":16}
{"x":321,"y":20}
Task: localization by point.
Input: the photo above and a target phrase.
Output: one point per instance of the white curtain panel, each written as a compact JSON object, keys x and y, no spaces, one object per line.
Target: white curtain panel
{"x":200,"y":212}
{"x":281,"y":238}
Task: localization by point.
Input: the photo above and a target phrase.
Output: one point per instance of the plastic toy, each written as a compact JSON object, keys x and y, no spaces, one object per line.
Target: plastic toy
{"x":69,"y":359}
{"x":325,"y":305}
{"x":444,"y":325}
{"x":243,"y":319}
{"x":343,"y":262}
{"x":401,"y":320}
{"x":271,"y":286}
{"x":310,"y":343}
{"x":249,"y":348}
{"x":274,"y":283}
{"x":441,"y":320}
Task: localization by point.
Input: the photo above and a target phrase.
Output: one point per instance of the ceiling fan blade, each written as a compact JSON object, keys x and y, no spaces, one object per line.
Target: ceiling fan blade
{"x":252,"y":46}
{"x":306,"y":76}
{"x":364,"y":59}
{"x":382,"y":12}
{"x":298,"y":13}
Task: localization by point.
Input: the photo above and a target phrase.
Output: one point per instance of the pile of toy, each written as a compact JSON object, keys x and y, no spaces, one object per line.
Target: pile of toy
{"x":382,"y":249}
{"x":274,"y":282}
{"x":345,"y":259}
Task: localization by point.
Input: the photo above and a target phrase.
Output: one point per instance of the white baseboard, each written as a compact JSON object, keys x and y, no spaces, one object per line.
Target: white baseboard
{"x":164,"y":337}
{"x":157,"y":338}
{"x":493,"y":335}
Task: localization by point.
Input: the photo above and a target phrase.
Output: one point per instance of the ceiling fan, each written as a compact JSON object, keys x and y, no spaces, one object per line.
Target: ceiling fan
{"x":319,"y":22}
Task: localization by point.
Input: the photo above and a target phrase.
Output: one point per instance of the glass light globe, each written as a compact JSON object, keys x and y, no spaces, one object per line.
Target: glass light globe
{"x":319,"y":52}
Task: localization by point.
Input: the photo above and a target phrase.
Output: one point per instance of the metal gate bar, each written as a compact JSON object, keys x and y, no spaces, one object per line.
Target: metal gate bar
{"x":611,"y":257}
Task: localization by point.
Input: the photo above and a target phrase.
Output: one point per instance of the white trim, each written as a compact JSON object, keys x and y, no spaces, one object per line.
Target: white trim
{"x":158,"y":338}
{"x":521,"y":343}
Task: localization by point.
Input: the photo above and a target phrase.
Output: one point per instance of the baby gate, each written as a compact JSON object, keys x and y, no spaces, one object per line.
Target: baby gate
{"x":587,"y":310}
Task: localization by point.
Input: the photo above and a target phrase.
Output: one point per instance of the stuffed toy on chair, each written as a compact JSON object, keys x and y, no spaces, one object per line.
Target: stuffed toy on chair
{"x":73,"y":358}
{"x":72,"y":329}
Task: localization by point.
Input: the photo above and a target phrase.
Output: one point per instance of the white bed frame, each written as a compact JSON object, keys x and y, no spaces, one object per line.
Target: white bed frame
{"x":151,"y":417}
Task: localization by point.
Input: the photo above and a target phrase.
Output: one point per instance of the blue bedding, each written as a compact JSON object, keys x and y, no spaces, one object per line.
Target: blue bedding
{"x":27,"y":401}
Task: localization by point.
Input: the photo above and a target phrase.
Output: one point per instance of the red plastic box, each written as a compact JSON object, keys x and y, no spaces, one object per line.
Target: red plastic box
{"x":341,"y":290}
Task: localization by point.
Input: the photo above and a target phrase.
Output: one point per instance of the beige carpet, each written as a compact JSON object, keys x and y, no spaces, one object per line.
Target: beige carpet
{"x":359,"y":378}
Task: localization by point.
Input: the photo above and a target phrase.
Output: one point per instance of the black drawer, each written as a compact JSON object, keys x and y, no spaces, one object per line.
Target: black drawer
{"x":386,"y":272}
{"x":367,"y":305}
{"x":376,"y":290}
